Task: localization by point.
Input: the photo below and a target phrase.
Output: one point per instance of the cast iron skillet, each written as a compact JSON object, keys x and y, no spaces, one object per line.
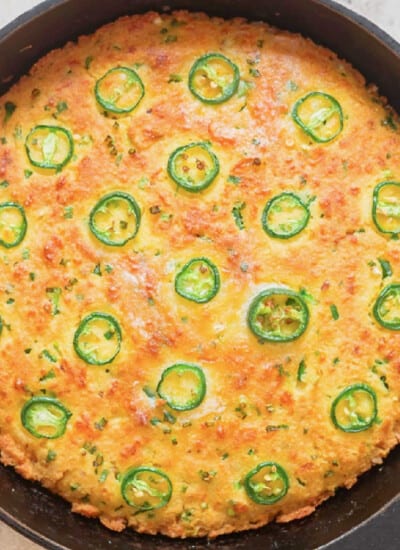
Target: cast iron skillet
{"x":46,"y":518}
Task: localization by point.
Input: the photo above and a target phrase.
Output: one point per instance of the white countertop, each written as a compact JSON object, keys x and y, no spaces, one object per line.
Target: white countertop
{"x":386,"y":13}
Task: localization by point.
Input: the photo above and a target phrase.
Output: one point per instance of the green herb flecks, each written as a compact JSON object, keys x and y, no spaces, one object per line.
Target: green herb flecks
{"x":68,"y":212}
{"x":54,"y":295}
{"x":386,"y":268}
{"x":238,"y":215}
{"x":51,"y":456}
{"x":234,"y":179}
{"x":301,"y":371}
{"x":334,"y":312}
{"x":48,"y":376}
{"x":9,"y":107}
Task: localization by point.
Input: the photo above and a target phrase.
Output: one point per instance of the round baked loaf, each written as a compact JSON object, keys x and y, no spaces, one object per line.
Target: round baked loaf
{"x":200,"y":268}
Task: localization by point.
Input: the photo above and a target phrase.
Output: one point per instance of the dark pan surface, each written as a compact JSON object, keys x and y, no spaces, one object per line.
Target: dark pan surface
{"x":47,"y":519}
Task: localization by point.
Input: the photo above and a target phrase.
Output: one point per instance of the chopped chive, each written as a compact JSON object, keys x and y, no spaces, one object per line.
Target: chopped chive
{"x":384,"y":381}
{"x":389,"y":122}
{"x":47,"y":355}
{"x":301,"y":371}
{"x":88,"y":62}
{"x":101,"y":424}
{"x":103,"y":476}
{"x":154,"y":421}
{"x":237,"y":214}
{"x":334,"y":312}
{"x":291,"y":86}
{"x":168,"y":417}
{"x":234,"y":179}
{"x":276,"y":428}
{"x":149,"y":392}
{"x":254,"y":72}
{"x":97,"y":270}
{"x":89,"y":447}
{"x":48,"y":376}
{"x":54,"y":295}
{"x":386,"y":268}
{"x":174,"y":78}
{"x":68,"y":212}
{"x":61,"y":107}
{"x":10,"y":108}
{"x":51,"y":455}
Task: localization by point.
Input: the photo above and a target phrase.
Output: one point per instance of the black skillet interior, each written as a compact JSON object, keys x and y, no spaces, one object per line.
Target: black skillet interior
{"x":46,"y":518}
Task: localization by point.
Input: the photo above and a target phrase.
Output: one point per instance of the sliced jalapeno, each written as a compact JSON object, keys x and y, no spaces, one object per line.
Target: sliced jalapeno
{"x":119,"y":90}
{"x":386,"y":207}
{"x":387,"y":307}
{"x":182,"y":386}
{"x":198,"y":281}
{"x":355,"y":408}
{"x":49,"y":147}
{"x":278,"y":315}
{"x":146,"y":488}
{"x":284,"y":216}
{"x":193,"y":167}
{"x":13,"y":224}
{"x":319,"y":115}
{"x":115,"y":219}
{"x":98,"y":339}
{"x":266,"y":483}
{"x":45,"y":417}
{"x":213,"y":78}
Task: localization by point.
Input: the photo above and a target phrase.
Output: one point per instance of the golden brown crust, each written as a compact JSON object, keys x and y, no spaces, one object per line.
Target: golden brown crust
{"x":251,"y":388}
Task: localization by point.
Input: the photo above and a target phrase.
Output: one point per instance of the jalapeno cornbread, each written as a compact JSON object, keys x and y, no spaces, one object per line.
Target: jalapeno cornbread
{"x":200,"y":275}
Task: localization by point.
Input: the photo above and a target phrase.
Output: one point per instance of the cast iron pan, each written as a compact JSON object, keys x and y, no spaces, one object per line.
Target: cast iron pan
{"x":341,"y":521}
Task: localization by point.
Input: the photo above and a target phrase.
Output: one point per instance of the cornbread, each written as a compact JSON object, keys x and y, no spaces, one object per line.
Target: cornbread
{"x":200,"y":268}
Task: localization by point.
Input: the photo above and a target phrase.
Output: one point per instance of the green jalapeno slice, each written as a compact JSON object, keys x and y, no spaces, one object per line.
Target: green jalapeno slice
{"x":198,"y":281}
{"x":387,"y":307}
{"x":183,"y":386}
{"x":45,"y":417}
{"x":285,"y":216}
{"x":146,"y":488}
{"x":13,"y":224}
{"x":119,"y":90}
{"x":49,"y":147}
{"x":355,"y":408}
{"x":266,"y":483}
{"x":115,"y":219}
{"x":319,"y":115}
{"x":98,"y":339}
{"x":278,"y":315}
{"x":193,"y":167}
{"x":213,"y":78}
{"x":386,"y":207}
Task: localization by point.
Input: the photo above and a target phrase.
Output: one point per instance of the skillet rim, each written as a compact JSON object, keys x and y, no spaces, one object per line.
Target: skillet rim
{"x":363,"y":24}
